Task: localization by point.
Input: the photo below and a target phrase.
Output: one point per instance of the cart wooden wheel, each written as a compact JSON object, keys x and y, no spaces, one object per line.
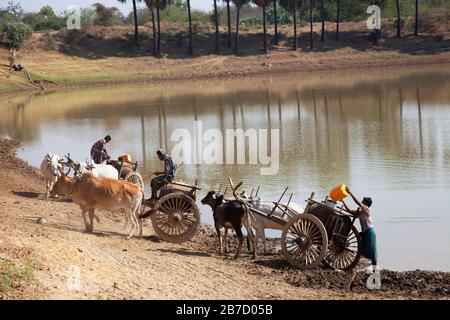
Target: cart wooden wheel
{"x":304,"y":241}
{"x":175,"y":217}
{"x":136,"y":178}
{"x":344,"y":254}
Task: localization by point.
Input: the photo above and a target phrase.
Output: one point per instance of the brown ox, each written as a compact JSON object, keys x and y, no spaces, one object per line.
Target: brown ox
{"x":111,"y":195}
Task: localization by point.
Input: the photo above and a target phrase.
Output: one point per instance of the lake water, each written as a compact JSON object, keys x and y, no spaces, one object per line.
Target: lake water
{"x":385,"y":133}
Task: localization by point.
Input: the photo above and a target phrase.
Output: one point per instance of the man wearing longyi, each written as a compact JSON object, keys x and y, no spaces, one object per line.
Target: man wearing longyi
{"x":369,"y":238}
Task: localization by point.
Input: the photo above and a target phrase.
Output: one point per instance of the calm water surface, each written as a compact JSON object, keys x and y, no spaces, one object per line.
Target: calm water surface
{"x":385,"y":133}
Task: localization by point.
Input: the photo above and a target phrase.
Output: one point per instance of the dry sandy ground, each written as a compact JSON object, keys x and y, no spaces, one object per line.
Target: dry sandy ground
{"x":110,"y":266}
{"x":114,"y":268}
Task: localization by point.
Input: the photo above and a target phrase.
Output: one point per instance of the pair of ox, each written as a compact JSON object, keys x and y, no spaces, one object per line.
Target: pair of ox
{"x":94,"y":186}
{"x":52,"y":168}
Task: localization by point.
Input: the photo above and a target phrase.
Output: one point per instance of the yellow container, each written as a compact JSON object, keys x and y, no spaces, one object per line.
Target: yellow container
{"x":125,"y":158}
{"x":339,"y":193}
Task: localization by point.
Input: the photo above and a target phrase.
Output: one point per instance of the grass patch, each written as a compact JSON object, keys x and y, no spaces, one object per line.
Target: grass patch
{"x":11,"y":274}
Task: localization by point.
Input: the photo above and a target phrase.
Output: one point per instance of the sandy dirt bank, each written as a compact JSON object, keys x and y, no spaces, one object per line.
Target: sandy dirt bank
{"x":42,"y":240}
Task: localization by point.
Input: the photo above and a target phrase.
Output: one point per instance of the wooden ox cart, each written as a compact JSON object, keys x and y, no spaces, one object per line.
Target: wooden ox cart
{"x":320,"y":234}
{"x":175,"y":215}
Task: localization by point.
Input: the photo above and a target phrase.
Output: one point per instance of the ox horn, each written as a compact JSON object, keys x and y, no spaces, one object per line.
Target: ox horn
{"x":68,"y":158}
{"x":257,"y":191}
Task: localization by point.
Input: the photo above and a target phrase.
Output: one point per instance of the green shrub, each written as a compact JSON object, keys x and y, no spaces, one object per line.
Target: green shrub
{"x":173,"y":13}
{"x":6,"y":16}
{"x":251,"y":21}
{"x":88,"y":17}
{"x":202,"y":16}
{"x":282,"y":16}
{"x":47,"y":12}
{"x":16,"y":33}
{"x":37,"y":22}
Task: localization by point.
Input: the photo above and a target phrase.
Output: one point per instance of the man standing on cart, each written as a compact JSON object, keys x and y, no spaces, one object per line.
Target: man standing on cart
{"x":165,"y":177}
{"x":368,"y":235}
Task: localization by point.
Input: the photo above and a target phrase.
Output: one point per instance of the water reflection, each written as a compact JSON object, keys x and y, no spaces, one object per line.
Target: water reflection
{"x":385,"y":134}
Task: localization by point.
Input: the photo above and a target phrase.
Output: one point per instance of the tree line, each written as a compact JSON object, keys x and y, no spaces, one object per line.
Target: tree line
{"x":292,"y":7}
{"x":16,"y":25}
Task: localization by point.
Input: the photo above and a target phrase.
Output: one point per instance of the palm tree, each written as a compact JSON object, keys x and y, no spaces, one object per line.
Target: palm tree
{"x":292,"y":6}
{"x":151,"y":5}
{"x":322,"y":17}
{"x":416,"y":26}
{"x":338,"y":18}
{"x":275,"y":15}
{"x":136,"y":27}
{"x":190,"y":48}
{"x":238,"y":4}
{"x":263,"y":4}
{"x":216,"y":21}
{"x":160,"y":5}
{"x":228,"y":24}
{"x":397,"y":2}
{"x":312,"y":4}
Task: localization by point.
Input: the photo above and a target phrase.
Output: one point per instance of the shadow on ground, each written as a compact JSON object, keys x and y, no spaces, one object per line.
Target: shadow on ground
{"x":185,"y":252}
{"x":26,"y":194}
{"x":82,"y":44}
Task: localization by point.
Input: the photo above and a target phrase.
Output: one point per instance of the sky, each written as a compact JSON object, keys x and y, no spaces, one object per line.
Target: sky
{"x":61,"y":5}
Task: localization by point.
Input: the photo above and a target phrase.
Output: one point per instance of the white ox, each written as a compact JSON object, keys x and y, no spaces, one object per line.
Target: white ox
{"x":102,"y":170}
{"x":260,"y":223}
{"x":51,"y":169}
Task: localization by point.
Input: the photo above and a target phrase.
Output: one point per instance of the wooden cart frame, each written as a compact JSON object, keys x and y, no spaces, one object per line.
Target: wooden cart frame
{"x":133,"y":175}
{"x":304,"y":240}
{"x":175,"y":215}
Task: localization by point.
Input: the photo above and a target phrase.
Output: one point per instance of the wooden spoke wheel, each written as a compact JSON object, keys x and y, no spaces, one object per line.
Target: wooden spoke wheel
{"x":304,"y":241}
{"x":175,"y":217}
{"x":344,"y":253}
{"x":136,"y":178}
